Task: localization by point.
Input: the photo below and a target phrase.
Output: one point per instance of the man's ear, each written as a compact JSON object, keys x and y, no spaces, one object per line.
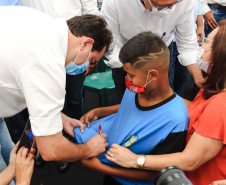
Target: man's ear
{"x":153,"y":74}
{"x":87,"y":41}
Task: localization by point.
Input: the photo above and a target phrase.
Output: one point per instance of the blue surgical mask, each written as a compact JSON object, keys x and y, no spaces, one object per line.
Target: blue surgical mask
{"x":73,"y":69}
{"x":164,"y":12}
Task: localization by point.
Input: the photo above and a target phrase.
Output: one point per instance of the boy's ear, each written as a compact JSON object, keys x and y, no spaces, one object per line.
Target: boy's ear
{"x":153,"y":74}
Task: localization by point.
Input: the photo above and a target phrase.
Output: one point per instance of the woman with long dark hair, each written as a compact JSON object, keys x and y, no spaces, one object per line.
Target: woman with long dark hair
{"x":205,"y":153}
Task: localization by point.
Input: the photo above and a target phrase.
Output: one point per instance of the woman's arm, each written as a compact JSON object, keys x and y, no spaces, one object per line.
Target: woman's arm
{"x":7,"y":175}
{"x":94,"y":164}
{"x":199,"y":150}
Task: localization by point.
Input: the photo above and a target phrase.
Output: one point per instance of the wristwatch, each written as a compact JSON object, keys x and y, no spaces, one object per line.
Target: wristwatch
{"x":141,"y":161}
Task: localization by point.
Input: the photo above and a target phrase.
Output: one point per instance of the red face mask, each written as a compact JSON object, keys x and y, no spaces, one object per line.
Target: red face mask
{"x":134,"y":88}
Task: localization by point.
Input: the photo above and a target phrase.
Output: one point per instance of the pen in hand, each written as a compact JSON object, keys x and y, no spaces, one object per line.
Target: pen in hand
{"x":100,"y":131}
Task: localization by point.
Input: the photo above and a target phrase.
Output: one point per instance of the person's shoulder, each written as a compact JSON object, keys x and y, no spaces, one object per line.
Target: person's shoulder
{"x":217,"y":101}
{"x":178,"y":110}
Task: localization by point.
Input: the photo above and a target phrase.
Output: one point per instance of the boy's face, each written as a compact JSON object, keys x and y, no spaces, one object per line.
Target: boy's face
{"x":136,"y":76}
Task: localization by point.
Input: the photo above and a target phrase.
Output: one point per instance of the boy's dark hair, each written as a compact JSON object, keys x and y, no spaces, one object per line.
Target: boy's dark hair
{"x":94,"y":27}
{"x":144,"y":48}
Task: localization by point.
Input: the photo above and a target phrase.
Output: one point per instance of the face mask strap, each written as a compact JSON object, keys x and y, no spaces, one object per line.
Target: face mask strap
{"x":151,"y":5}
{"x":79,"y":53}
{"x":146,"y":83}
{"x":89,"y":52}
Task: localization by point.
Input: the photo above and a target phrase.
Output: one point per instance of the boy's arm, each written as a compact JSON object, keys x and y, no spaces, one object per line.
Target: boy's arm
{"x":98,"y":113}
{"x":94,"y":164}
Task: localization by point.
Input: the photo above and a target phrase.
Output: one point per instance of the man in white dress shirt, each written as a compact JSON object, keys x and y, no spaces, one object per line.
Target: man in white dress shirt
{"x":167,"y":18}
{"x":35,"y":49}
{"x":74,"y":104}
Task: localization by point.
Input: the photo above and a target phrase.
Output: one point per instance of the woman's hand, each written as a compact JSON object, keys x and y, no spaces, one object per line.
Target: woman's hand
{"x":89,"y":117}
{"x":24,"y":166}
{"x":122,"y":156}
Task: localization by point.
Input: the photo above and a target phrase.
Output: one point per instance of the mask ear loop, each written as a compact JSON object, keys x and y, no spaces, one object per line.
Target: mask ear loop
{"x":89,"y":52}
{"x":79,"y":52}
{"x":77,"y":55}
{"x":146,"y":83}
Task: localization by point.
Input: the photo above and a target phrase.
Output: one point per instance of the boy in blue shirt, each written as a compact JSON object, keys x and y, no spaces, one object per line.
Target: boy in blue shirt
{"x":151,"y":118}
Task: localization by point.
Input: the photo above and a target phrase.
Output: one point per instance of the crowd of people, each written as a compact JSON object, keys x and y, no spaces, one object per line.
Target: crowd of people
{"x":47,"y":49}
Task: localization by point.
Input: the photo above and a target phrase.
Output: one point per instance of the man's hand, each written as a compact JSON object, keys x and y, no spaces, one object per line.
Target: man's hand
{"x":89,"y":117}
{"x":200,"y":33}
{"x":69,"y":124}
{"x":196,"y":74}
{"x":97,"y":144}
{"x":122,"y":156}
{"x":210,"y":20}
{"x":91,"y":69}
{"x":24,"y":166}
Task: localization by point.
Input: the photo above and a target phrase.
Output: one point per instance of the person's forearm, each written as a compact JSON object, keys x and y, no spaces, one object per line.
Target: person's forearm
{"x":136,"y":174}
{"x":58,"y":148}
{"x":106,"y":111}
{"x":199,"y":21}
{"x":7,"y":175}
{"x":158,"y":162}
{"x":196,"y":74}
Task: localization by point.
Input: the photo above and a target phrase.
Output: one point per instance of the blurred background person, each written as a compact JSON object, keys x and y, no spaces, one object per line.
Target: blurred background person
{"x":21,"y":166}
{"x":213,"y":11}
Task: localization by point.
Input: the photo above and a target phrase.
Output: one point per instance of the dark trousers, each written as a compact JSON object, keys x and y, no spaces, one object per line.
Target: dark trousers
{"x":118,"y":76}
{"x":17,"y":124}
{"x":108,"y":180}
{"x":181,"y":72}
{"x":74,"y":105}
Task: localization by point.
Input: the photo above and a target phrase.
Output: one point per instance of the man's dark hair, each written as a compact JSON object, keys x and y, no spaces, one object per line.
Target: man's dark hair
{"x":94,"y":27}
{"x":143,"y":48}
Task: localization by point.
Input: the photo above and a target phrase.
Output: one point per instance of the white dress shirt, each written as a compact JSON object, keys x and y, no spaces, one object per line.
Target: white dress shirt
{"x":127,"y":18}
{"x":206,"y":8}
{"x":63,"y":8}
{"x":32,"y":67}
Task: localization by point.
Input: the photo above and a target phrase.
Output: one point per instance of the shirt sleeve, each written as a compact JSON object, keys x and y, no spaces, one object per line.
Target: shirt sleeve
{"x":175,"y":142}
{"x":89,"y":7}
{"x":199,"y":7}
{"x":109,"y":12}
{"x":43,"y":86}
{"x":205,"y":7}
{"x":212,"y":121}
{"x":186,"y":38}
